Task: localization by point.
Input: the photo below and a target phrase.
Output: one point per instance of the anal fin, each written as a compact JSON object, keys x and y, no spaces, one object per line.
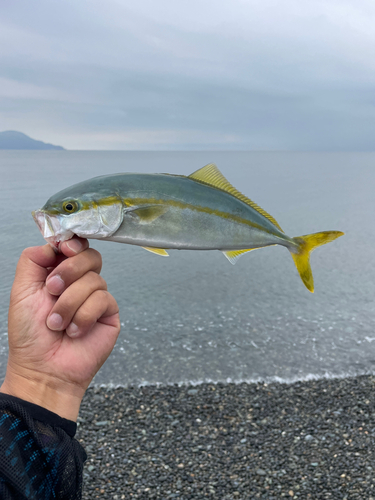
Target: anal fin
{"x":234,"y":255}
{"x":158,"y":251}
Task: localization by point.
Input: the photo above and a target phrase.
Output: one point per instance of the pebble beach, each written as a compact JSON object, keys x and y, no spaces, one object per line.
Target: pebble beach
{"x":307,"y":440}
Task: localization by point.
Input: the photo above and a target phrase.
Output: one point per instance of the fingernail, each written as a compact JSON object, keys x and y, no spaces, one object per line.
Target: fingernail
{"x":55,"y":284}
{"x":74,"y":245}
{"x":72,"y":330}
{"x":54,"y":322}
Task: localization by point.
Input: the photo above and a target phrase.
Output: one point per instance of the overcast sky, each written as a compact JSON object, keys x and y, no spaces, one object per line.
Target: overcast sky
{"x":190,"y":74}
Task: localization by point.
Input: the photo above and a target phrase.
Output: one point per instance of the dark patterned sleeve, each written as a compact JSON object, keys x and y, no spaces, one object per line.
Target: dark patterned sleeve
{"x":39,"y":457}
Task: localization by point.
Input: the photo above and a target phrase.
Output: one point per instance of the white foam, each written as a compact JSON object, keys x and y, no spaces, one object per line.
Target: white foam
{"x":255,"y":380}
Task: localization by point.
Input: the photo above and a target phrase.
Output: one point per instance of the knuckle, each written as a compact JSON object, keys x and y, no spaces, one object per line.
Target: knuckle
{"x":70,"y":266}
{"x":118,"y":322}
{"x":25,"y":253}
{"x":96,"y":255}
{"x":114,"y":302}
{"x":97,"y":281}
{"x":114,"y":306}
{"x":101,"y":296}
{"x":91,"y":310}
{"x":106,"y":300}
{"x":85,"y":316}
{"x":65,"y":307}
{"x":103,"y":283}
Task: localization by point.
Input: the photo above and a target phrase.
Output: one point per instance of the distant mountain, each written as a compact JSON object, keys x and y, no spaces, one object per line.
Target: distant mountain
{"x":16,"y":140}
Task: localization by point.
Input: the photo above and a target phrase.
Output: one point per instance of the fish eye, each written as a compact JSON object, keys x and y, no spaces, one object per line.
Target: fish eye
{"x":70,"y":206}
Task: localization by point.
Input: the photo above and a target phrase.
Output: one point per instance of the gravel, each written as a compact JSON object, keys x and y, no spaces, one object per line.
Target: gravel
{"x":308,"y":440}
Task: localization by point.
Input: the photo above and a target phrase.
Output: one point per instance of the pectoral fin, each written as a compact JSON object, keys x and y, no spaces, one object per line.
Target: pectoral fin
{"x":149,"y":213}
{"x":158,"y":251}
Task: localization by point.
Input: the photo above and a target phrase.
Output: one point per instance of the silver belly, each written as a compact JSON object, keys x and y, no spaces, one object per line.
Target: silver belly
{"x":192,"y":230}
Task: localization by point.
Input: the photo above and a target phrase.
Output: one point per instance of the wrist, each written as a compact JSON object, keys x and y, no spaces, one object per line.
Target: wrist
{"x":44,"y":390}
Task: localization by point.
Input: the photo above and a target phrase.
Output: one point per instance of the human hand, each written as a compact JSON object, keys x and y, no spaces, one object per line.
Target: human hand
{"x":51,"y":363}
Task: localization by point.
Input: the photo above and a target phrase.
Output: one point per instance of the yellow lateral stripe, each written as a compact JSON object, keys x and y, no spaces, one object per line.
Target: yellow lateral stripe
{"x":109,"y":200}
{"x":178,"y":204}
{"x":212,"y":176}
{"x":137,"y":202}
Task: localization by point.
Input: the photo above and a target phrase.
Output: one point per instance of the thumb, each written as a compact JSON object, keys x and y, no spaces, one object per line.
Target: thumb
{"x":32,"y":268}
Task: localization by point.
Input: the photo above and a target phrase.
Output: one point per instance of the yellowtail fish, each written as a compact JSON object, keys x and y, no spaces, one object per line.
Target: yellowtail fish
{"x":162,"y":211}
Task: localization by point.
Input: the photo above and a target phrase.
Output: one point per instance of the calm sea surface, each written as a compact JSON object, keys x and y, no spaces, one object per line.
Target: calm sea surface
{"x":194,"y":316}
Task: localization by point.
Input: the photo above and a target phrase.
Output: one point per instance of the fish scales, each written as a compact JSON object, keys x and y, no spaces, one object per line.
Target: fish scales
{"x":198,"y":217}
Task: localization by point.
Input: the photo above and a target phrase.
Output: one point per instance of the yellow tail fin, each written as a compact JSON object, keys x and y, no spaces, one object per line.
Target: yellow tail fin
{"x":301,"y":256}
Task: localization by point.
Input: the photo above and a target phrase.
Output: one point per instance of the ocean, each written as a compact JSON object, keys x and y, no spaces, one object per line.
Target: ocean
{"x":193,"y":317}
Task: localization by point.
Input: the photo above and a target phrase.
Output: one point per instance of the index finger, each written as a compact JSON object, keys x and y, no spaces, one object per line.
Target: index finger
{"x":70,"y":248}
{"x":71,"y":269}
{"x":74,"y":246}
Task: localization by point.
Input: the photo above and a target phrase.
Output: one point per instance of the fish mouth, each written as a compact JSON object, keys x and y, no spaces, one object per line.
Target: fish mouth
{"x":51,"y":228}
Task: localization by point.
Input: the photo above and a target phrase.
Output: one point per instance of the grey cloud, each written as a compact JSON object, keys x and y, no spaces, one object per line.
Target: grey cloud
{"x":283,"y":80}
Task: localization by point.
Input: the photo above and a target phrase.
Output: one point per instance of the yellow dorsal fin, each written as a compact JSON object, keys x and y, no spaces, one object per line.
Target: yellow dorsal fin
{"x":158,"y":251}
{"x":212,"y":176}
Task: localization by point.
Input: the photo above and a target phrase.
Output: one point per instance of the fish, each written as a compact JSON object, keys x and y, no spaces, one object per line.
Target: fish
{"x":201,"y":211}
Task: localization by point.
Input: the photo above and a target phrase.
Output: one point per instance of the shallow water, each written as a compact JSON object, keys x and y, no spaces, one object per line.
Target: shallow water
{"x":194,"y":316}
